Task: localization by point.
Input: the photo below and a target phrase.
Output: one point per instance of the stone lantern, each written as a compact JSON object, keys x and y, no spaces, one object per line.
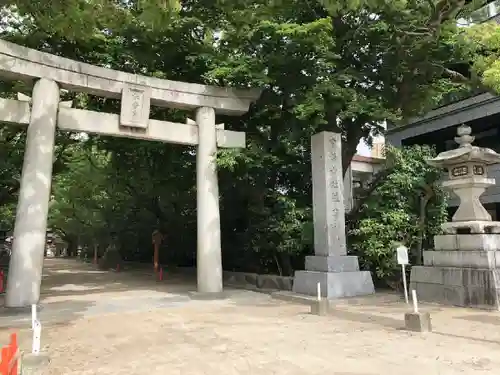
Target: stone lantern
{"x":467,"y":170}
{"x":462,"y":268}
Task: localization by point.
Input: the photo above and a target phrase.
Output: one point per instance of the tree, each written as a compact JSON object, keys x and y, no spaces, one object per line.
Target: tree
{"x":406,"y":207}
{"x":127,"y":37}
{"x":484,"y":41}
{"x":80,"y":20}
{"x":342,"y":66}
{"x":81,"y":196}
{"x":12,"y":141}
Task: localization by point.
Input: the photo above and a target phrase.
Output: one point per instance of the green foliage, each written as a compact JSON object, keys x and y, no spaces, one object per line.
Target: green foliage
{"x":80,"y":195}
{"x":81,"y":20}
{"x":406,"y":207}
{"x":484,"y":43}
{"x":7,"y":216}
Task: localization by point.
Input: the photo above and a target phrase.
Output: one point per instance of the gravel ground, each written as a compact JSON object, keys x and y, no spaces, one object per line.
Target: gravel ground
{"x":128,"y":323}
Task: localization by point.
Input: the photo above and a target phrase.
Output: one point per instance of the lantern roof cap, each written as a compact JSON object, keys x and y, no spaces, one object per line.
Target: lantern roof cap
{"x":465,"y":152}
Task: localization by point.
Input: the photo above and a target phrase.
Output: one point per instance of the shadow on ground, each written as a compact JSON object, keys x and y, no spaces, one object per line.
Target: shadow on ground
{"x":72,"y":289}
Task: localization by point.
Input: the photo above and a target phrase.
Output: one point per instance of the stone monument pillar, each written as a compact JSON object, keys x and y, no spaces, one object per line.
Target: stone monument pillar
{"x":26,"y":263}
{"x":462,"y":269}
{"x":337,"y":272}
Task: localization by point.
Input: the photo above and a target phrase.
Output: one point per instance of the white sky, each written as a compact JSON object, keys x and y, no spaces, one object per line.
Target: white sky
{"x":365,"y":150}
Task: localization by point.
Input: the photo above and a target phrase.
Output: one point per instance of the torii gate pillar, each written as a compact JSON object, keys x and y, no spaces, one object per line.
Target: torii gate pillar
{"x":25,"y":269}
{"x":208,"y":255}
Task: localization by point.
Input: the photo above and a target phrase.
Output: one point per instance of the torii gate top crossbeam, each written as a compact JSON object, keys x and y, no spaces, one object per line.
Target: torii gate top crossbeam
{"x":25,"y":63}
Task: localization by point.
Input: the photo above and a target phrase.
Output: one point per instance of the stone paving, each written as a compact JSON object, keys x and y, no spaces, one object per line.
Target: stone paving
{"x":109,"y":323}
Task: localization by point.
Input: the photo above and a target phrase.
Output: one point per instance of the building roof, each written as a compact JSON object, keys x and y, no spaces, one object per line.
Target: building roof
{"x":367,"y":159}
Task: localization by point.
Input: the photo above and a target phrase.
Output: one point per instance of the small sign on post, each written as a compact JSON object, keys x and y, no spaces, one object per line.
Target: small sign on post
{"x":402,"y":255}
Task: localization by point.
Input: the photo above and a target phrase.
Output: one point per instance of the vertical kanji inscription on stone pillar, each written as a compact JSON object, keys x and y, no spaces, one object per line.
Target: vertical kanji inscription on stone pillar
{"x":136,"y":102}
{"x":328,"y":195}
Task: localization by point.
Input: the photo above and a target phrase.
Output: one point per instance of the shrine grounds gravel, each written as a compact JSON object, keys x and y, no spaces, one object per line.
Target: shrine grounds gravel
{"x":128,"y":323}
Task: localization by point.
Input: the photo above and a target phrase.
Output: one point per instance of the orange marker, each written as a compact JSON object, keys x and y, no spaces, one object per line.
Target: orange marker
{"x":2,"y":277}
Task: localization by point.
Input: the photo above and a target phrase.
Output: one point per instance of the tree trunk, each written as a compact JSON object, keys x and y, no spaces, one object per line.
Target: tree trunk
{"x":286,"y":264}
{"x":348,"y":152}
{"x":421,"y":223}
{"x":72,"y":247}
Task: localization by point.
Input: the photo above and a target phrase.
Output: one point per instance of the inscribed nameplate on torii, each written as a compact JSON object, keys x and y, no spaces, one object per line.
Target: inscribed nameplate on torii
{"x":135,"y":106}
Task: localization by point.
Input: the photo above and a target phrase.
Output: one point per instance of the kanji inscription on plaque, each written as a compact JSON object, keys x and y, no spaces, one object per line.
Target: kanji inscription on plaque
{"x":135,"y":106}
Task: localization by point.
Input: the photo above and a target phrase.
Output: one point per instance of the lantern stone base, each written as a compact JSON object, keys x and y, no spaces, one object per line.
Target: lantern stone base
{"x":463,"y":270}
{"x":467,"y":242}
{"x":473,"y":226}
{"x":465,"y":287}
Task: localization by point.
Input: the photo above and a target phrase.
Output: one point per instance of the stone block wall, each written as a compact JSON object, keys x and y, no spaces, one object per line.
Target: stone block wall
{"x":231,"y":278}
{"x":253,"y":280}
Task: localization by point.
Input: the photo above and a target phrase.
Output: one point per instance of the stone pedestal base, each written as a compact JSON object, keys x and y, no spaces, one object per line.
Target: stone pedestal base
{"x":457,"y":286}
{"x":208,"y":296}
{"x":320,"y":307}
{"x":463,"y":270}
{"x":467,"y":242}
{"x":474,"y":226}
{"x":418,"y":322}
{"x":339,"y":276}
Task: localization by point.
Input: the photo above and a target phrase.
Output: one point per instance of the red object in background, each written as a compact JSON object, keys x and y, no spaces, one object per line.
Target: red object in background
{"x":10,"y":357}
{"x":161,"y":273}
{"x":2,"y":281}
{"x":118,"y":267}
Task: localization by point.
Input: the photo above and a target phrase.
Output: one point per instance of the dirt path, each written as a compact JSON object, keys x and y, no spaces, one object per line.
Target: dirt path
{"x":138,"y":326}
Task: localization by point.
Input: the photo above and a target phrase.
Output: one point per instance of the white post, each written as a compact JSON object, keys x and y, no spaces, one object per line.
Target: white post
{"x":415,"y":302}
{"x":37,"y":338}
{"x":208,"y":256}
{"x":33,"y":316}
{"x":26,"y":262}
{"x":319,"y":291}
{"x":37,"y":331}
{"x":403,"y":270}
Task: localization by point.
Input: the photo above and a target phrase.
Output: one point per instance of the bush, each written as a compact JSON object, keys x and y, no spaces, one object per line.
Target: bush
{"x":406,"y":206}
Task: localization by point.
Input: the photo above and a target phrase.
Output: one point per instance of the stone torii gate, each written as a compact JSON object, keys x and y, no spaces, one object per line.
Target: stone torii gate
{"x":51,"y":73}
